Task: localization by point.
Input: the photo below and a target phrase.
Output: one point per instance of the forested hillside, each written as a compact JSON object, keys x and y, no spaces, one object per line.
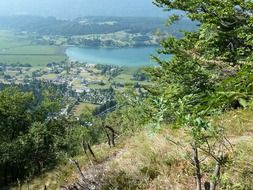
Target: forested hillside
{"x":190,"y":127}
{"x":96,"y":31}
{"x":91,"y":25}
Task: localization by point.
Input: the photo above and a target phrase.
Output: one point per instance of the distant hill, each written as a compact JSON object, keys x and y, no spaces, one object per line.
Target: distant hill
{"x":92,"y":25}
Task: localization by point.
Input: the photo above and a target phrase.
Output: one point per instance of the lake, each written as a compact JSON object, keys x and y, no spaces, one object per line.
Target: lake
{"x":128,"y":57}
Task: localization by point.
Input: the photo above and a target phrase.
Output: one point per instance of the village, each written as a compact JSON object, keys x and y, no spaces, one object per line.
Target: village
{"x":80,"y":77}
{"x":91,"y":85}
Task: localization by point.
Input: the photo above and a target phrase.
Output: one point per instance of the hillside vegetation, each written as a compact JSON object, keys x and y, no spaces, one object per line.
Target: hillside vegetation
{"x":149,"y":160}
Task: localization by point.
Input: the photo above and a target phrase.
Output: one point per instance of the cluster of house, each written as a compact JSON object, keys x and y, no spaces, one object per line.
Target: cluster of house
{"x":73,"y":70}
{"x":13,"y":74}
{"x":61,"y":73}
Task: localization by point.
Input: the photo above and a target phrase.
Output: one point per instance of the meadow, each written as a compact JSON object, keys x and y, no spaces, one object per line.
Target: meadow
{"x":19,"y":49}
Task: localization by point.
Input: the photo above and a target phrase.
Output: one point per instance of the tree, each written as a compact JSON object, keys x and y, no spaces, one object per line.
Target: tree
{"x":30,"y":140}
{"x":15,"y":119}
{"x":225,"y":31}
{"x":210,"y":72}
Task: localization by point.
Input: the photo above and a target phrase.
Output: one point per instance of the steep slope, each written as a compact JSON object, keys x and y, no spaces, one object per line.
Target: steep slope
{"x":150,"y":160}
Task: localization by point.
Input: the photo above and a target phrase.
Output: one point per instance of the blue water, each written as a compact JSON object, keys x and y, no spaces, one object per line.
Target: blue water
{"x":129,"y":57}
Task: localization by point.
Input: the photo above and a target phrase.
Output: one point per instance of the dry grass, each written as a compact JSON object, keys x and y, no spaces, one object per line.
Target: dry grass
{"x":237,"y":123}
{"x":155,"y":162}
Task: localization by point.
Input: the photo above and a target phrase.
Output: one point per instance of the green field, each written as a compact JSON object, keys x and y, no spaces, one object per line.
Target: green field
{"x":83,"y":108}
{"x":8,"y":40}
{"x":18,"y":49}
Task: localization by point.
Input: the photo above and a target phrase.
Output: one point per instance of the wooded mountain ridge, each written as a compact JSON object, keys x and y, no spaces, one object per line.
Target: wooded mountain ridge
{"x":92,"y":25}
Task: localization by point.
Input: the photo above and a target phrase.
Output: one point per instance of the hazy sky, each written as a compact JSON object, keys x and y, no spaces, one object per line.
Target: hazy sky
{"x":76,"y":8}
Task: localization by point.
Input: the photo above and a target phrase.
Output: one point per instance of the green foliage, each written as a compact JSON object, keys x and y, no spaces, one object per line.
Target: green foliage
{"x":132,"y":112}
{"x":210,"y":72}
{"x":15,"y":109}
{"x":234,"y":90}
{"x":31,"y":140}
{"x":140,"y":75}
{"x":110,"y":70}
{"x":225,"y":27}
